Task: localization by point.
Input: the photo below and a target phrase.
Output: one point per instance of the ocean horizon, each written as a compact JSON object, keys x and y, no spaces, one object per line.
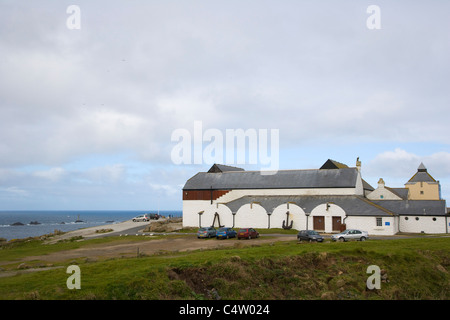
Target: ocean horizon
{"x":19,"y":224}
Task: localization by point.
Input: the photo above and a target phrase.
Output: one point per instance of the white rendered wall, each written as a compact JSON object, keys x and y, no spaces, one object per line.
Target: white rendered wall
{"x":333,"y":210}
{"x":251,"y":216}
{"x":296,"y":214}
{"x":369,"y":224}
{"x":382,"y":194}
{"x":424,"y":224}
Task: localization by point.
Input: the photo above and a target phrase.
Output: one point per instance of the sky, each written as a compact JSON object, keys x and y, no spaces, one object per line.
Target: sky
{"x":91,"y":96}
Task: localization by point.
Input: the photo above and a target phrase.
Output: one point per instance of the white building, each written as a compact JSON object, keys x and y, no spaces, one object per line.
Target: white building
{"x":329,"y":199}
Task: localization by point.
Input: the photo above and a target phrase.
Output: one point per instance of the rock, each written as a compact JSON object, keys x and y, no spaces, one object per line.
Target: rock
{"x":340,"y":283}
{"x":441,"y":268}
{"x":327,"y":295}
{"x":213,"y":294}
{"x":17,"y":224}
{"x":34,"y":222}
{"x":384,"y":276}
{"x":23,"y":266}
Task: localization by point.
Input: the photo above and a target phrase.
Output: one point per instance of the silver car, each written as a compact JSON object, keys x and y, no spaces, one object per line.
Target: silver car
{"x":350,"y":234}
{"x":142,"y":217}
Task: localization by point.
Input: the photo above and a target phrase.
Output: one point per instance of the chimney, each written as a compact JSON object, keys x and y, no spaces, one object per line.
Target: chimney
{"x":358,"y":164}
{"x":381,"y":183}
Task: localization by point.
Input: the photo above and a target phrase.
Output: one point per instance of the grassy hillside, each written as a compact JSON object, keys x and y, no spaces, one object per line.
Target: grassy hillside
{"x":411,"y":269}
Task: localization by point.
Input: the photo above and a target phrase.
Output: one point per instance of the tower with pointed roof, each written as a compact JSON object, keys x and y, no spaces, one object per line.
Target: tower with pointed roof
{"x":422,"y":186}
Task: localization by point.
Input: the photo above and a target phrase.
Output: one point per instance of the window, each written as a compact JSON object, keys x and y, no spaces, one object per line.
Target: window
{"x":421,"y":192}
{"x":417,"y":218}
{"x":379,"y":222}
{"x":434,"y":219}
{"x":381,"y":197}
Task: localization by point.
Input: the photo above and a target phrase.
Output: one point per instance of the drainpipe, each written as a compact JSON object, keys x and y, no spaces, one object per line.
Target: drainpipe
{"x":446,"y":224}
{"x":307,"y":216}
{"x":343,"y":221}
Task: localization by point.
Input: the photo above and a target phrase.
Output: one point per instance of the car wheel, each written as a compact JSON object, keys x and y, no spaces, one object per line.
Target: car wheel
{"x":341,"y":239}
{"x":362,"y":239}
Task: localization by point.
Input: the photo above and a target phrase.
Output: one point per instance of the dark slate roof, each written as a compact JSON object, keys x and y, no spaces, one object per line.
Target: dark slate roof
{"x":414,"y":207}
{"x":422,"y":175}
{"x":401,"y":192}
{"x":223,"y":168}
{"x":283,"y":179}
{"x":332,"y":164}
{"x":353,"y":205}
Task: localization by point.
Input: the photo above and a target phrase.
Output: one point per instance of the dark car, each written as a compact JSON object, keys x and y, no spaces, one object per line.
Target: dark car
{"x":207,"y":232}
{"x":309,"y":235}
{"x":154,"y":216}
{"x":247,"y":233}
{"x":225,"y":233}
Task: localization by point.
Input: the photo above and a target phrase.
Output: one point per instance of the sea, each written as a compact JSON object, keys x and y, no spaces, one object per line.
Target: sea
{"x":23,"y":224}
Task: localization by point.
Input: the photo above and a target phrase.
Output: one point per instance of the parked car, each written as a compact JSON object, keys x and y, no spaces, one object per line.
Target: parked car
{"x":142,"y":217}
{"x":225,"y":233}
{"x":154,"y":216}
{"x":247,"y":233}
{"x":207,"y":232}
{"x":309,"y":235}
{"x":350,"y":234}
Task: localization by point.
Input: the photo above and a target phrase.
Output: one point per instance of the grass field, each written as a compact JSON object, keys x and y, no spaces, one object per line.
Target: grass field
{"x":411,"y":269}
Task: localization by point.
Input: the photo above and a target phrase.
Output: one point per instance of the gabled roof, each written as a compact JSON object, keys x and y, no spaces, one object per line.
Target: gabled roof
{"x":421,"y":175}
{"x":282,"y":179}
{"x":223,"y":168}
{"x":399,"y":192}
{"x":332,"y":164}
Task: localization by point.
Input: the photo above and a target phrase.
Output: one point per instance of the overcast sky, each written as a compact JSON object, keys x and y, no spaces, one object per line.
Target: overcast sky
{"x":87,"y":115}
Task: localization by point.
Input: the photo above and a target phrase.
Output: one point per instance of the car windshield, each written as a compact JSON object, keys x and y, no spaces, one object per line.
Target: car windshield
{"x":242,"y":230}
{"x":312,"y":232}
{"x":202,"y":229}
{"x":222,"y":229}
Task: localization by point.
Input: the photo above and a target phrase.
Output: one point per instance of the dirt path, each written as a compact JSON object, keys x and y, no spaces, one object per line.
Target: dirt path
{"x":148,"y":246}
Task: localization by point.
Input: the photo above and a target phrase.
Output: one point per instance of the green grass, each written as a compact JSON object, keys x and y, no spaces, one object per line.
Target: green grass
{"x":416,"y":269}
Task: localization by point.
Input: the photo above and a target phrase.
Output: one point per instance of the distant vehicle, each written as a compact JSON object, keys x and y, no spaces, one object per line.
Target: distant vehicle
{"x":247,"y":233}
{"x":142,"y":217}
{"x":350,"y":234}
{"x":225,"y":233}
{"x":309,"y":235}
{"x":207,"y":232}
{"x":154,"y":216}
